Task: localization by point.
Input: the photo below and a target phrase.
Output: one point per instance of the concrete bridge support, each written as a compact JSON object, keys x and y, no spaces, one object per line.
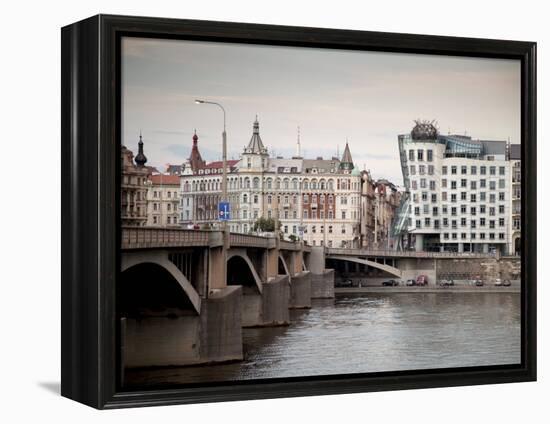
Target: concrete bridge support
{"x":322,"y":280}
{"x":300,"y":290}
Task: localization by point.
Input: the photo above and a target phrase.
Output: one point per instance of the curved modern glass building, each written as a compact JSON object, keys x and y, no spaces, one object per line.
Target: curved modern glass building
{"x":458,"y":192}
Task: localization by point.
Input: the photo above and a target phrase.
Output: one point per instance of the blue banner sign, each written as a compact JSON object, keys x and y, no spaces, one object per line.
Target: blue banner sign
{"x":223,"y":211}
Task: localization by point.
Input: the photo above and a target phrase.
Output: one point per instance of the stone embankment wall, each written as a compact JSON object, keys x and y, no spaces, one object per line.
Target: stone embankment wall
{"x":488,"y":268}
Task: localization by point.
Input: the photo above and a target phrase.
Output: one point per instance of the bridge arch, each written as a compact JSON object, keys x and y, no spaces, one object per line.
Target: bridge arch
{"x":283,"y":266}
{"x":232,"y":254}
{"x":160,"y":259}
{"x":387,"y":268}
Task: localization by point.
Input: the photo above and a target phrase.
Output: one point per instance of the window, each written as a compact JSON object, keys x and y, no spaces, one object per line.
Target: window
{"x":434,"y":198}
{"x":434,"y":211}
{"x":473,"y":170}
{"x":492,"y":198}
{"x":463,"y":170}
{"x":420,"y":155}
{"x":421,"y":169}
{"x":305,"y":214}
{"x":482,"y":236}
{"x":445,"y":222}
{"x":424,"y":196}
{"x":463,"y":183}
{"x":414,"y":185}
{"x":501,"y":183}
{"x":453,"y":170}
{"x":256,"y":199}
{"x":444,"y":170}
{"x":492,"y":185}
{"x":473,"y":236}
{"x":432,"y":185}
{"x":426,"y":209}
{"x":473,"y":198}
{"x":417,"y":210}
{"x":482,"y":222}
{"x":453,"y":198}
{"x":492,"y":170}
{"x":430,"y":155}
{"x":501,"y":170}
{"x":463,"y":195}
{"x":463,"y":236}
{"x":330,"y":229}
{"x":418,"y":223}
{"x":501,"y":196}
{"x":431,"y":170}
{"x":483,"y":183}
{"x":343,"y":229}
{"x":483,"y":170}
{"x":444,"y":209}
{"x":473,"y":223}
{"x":444,"y":183}
{"x":462,"y":222}
{"x":444,"y":196}
{"x":463,"y":209}
{"x":472,"y":211}
{"x":453,"y":185}
{"x":473,"y":185}
{"x":445,"y":235}
{"x":423,"y":183}
{"x":501,"y":209}
{"x":343,"y":214}
{"x":453,"y":211}
{"x":491,"y":223}
{"x":411,"y":155}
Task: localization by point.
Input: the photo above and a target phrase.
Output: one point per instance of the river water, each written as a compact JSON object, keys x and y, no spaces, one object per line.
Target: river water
{"x":371,"y":333}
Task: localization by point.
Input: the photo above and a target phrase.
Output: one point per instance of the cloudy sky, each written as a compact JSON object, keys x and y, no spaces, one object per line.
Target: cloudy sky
{"x":367,"y":98}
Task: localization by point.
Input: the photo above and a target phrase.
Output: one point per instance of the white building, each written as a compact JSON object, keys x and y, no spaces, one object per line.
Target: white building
{"x":163,"y":200}
{"x":458,"y":192}
{"x":314,"y":199}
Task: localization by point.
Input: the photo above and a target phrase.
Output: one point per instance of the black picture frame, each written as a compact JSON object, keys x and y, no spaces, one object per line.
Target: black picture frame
{"x":90,"y":135}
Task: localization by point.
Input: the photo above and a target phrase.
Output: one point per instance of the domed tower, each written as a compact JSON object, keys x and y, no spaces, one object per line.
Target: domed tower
{"x":140,"y":158}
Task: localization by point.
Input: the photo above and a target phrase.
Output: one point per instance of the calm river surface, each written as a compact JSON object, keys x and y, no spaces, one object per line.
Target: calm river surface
{"x":369,"y":333}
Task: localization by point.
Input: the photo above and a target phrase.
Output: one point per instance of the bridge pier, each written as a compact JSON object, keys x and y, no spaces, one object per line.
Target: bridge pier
{"x":322,"y":280}
{"x":178,"y":338}
{"x":300,"y":290}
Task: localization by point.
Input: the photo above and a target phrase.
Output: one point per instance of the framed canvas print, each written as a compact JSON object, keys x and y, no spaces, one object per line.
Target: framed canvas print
{"x":254,"y":211}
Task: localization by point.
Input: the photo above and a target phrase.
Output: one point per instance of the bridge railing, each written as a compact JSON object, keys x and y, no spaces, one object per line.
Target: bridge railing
{"x":405,"y":254}
{"x":250,"y":240}
{"x":151,"y":237}
{"x":147,"y":237}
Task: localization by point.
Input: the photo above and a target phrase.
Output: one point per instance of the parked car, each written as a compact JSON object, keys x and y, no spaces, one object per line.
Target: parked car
{"x":445,"y":283}
{"x":390,"y":283}
{"x":479,"y":283}
{"x":411,"y":282}
{"x":345,"y":283}
{"x":422,"y":280}
{"x":506,"y":283}
{"x":498,"y":282}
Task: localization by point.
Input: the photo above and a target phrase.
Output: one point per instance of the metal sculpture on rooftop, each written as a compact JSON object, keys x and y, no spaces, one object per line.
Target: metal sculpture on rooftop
{"x":424,"y":130}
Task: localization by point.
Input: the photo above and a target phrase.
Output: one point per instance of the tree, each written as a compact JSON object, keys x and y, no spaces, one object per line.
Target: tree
{"x":264,"y":224}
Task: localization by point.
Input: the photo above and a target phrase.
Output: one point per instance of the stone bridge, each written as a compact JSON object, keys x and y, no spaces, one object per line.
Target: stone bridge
{"x":204,"y":286}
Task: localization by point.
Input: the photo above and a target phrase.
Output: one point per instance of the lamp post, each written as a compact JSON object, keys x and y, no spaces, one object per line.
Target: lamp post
{"x":224,"y":153}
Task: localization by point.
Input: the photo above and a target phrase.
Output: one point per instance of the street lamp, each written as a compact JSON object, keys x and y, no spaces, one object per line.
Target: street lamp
{"x":224,"y":150}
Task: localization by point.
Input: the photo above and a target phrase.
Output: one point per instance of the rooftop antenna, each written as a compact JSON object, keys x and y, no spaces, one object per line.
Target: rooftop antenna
{"x":298,"y":147}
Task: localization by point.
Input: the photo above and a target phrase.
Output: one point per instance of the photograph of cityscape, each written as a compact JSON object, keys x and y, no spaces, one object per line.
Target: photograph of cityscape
{"x":294,"y":212}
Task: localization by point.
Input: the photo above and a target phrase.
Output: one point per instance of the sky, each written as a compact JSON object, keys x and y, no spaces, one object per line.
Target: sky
{"x":333,"y":96}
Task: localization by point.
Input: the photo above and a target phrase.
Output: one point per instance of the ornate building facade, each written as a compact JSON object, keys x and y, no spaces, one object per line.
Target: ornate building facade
{"x":515,"y":224}
{"x":317,"y":200}
{"x":134,"y":183}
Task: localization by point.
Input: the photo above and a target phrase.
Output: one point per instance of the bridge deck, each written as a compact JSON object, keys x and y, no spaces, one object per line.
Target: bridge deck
{"x":150,"y":237}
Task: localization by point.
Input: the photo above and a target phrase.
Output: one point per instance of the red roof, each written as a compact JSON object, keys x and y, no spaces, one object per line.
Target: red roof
{"x":219,"y":164}
{"x":165,"y":179}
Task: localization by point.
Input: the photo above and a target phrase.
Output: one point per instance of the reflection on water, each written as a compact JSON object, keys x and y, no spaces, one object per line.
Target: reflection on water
{"x":369,"y":333}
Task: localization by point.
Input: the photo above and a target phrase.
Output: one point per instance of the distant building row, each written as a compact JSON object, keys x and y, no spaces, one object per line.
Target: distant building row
{"x":322,"y":201}
{"x":460,"y":194}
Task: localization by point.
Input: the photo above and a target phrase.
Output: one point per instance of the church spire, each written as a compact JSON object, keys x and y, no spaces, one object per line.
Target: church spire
{"x":140,"y":158}
{"x":346,"y":162}
{"x":195,"y":158}
{"x":256,"y":145}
